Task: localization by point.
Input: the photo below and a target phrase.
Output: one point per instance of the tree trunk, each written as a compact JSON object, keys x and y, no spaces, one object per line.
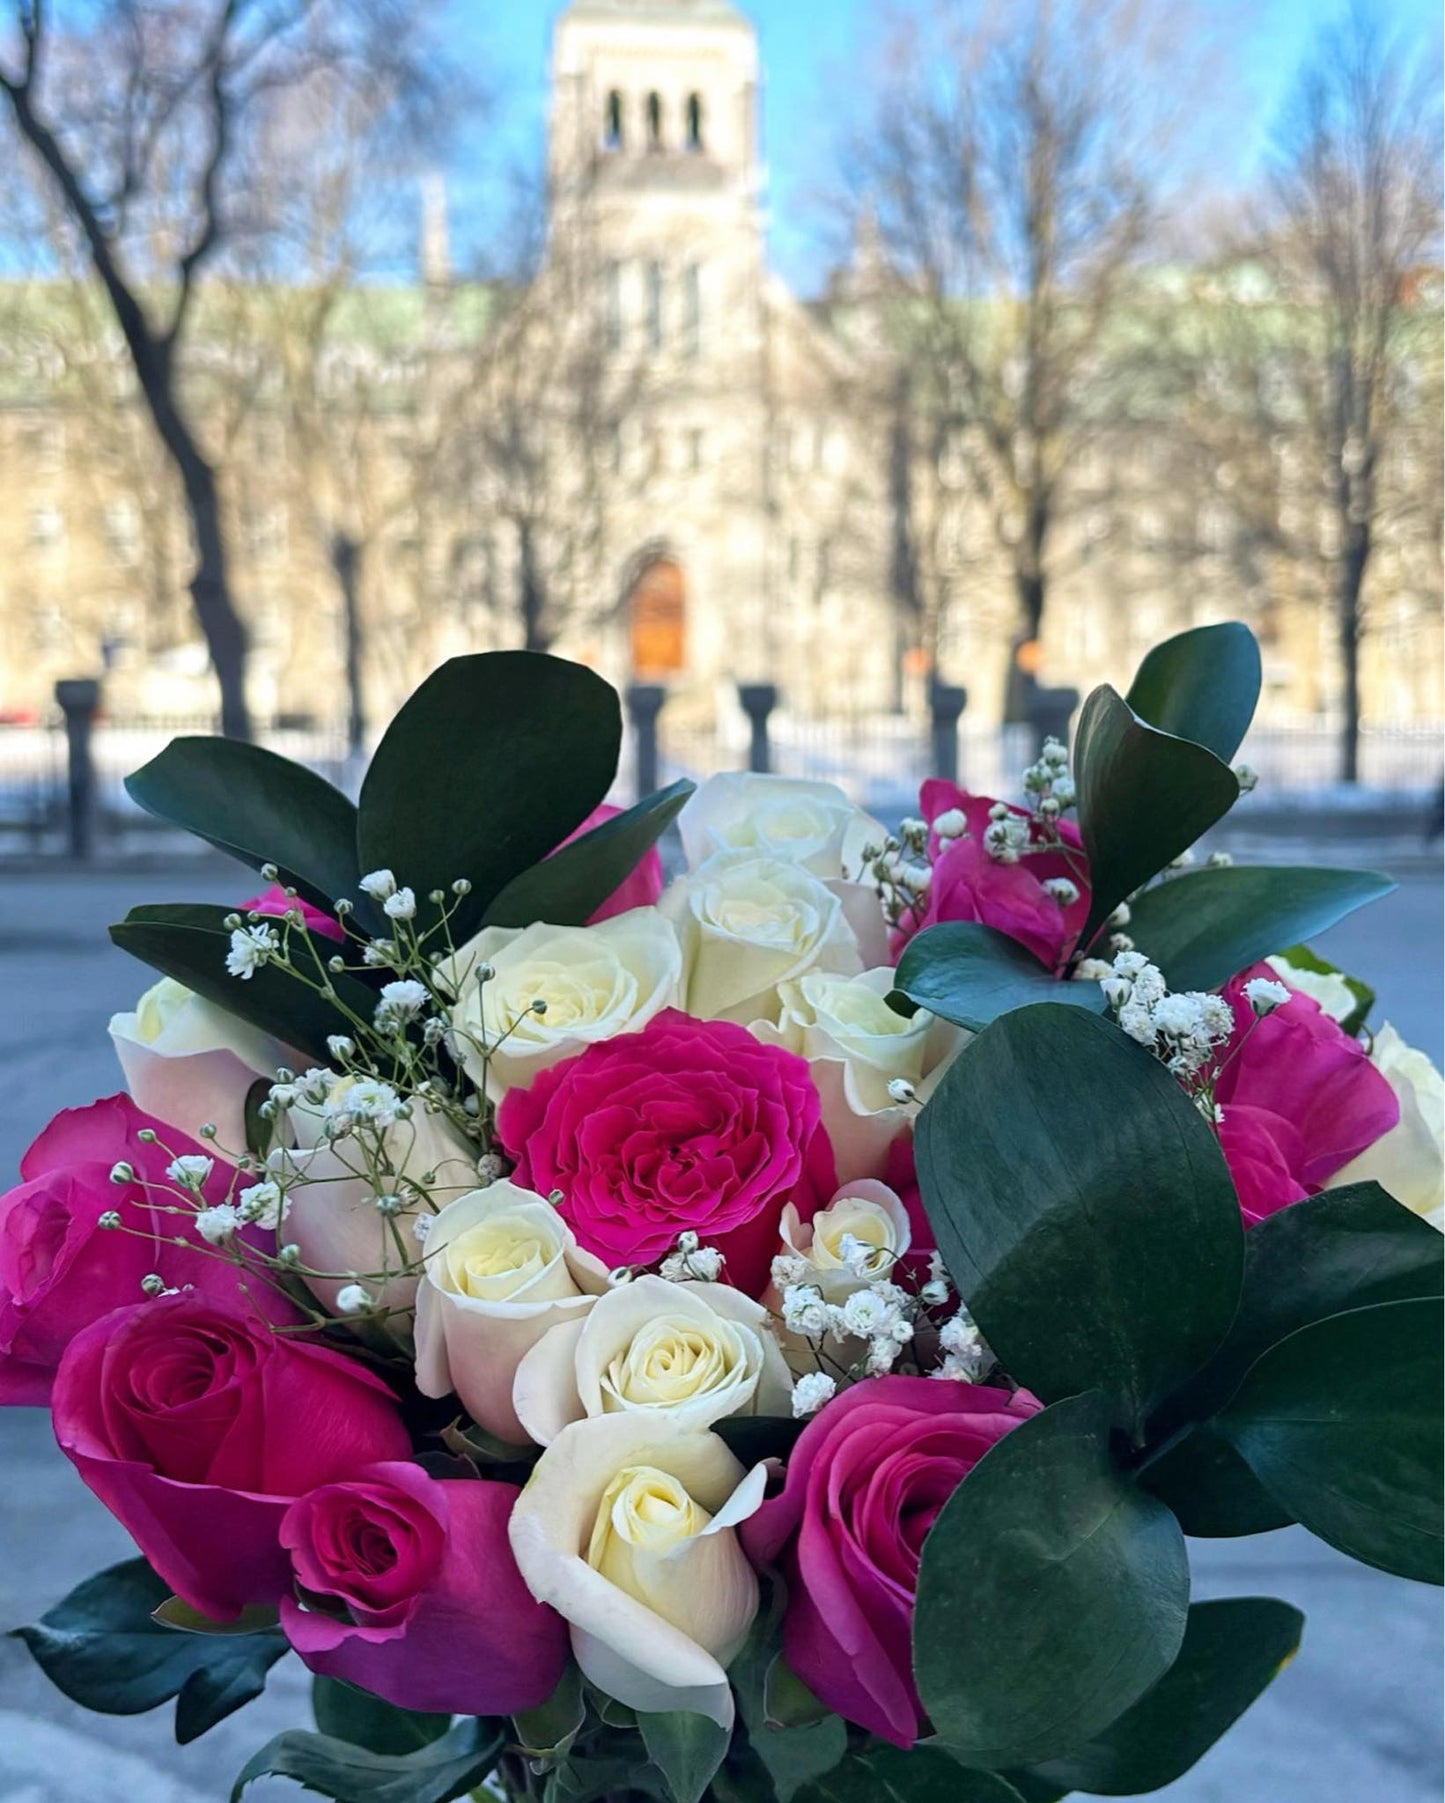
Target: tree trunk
{"x":346,"y":562}
{"x":210,"y":588}
{"x":1353,"y":562}
{"x":533,"y":595}
{"x":1030,"y":584}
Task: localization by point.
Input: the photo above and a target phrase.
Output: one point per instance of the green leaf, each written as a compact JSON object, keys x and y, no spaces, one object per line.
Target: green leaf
{"x":920,"y":1775}
{"x":1304,"y":957}
{"x":1213,"y":1493}
{"x":103,"y":1649}
{"x":787,"y":1701}
{"x":1083,"y":1207}
{"x":1232,"y":1652}
{"x":791,"y":1756}
{"x":548,"y":1731}
{"x":752,"y":1438}
{"x":188,"y":941}
{"x":568,"y":888}
{"x":1201,"y":929}
{"x":686,"y":1748}
{"x":1144,"y":797}
{"x":348,"y":1713}
{"x":1201,"y":685}
{"x":970,"y":974}
{"x":1052,"y":1594}
{"x":173,"y":1613}
{"x":258,"y":807}
{"x":488,"y":767}
{"x":1341,"y":1423}
{"x":448,"y":1768}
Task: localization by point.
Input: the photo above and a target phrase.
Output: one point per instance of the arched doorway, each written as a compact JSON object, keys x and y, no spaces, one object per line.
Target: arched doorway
{"x":657,"y":620}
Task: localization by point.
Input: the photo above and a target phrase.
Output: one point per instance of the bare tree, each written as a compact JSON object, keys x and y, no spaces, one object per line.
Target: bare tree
{"x":1011,"y":162}
{"x":151,"y":124}
{"x":1355,"y":226}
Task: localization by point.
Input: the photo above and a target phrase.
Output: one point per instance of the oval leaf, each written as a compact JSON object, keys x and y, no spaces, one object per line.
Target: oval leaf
{"x":1201,"y":685}
{"x":448,"y":1768}
{"x":487,"y":768}
{"x":1341,"y":1422}
{"x":970,"y":974}
{"x":1213,"y":1493}
{"x":686,"y":1748}
{"x":356,"y":1716}
{"x":568,"y":888}
{"x":1144,"y":797}
{"x":1232,"y":1652}
{"x":1083,"y":1207}
{"x":1201,"y":929}
{"x":259,"y":807}
{"x":921,"y":1775}
{"x":1052,"y":1594}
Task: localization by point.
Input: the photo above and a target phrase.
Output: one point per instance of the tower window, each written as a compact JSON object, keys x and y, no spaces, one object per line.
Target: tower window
{"x":654,"y":121}
{"x":613,"y":305}
{"x":694,"y":122}
{"x":692,"y":310}
{"x":654,"y":306}
{"x":612,"y":132}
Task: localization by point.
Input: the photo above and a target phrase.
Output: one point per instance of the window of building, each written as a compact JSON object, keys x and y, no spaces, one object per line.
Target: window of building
{"x":657,"y":618}
{"x":613,"y":304}
{"x":692,"y":310}
{"x":654,"y":121}
{"x":654,"y":306}
{"x":266,"y":533}
{"x":695,"y":445}
{"x":613,"y":135}
{"x":47,"y":446}
{"x":47,"y":529}
{"x":694,"y":122}
{"x":122,"y":531}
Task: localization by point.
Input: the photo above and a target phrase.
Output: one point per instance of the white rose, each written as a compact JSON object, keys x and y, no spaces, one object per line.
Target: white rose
{"x":502,"y":1268}
{"x":1409,"y":1160}
{"x":856,"y":1045}
{"x":627,"y":1528}
{"x":333,"y":1188}
{"x":810,"y":825}
{"x":865,"y":1212}
{"x":1327,"y":987}
{"x":697,"y":1351}
{"x":187,"y":1061}
{"x":597,"y":982}
{"x":748,"y":924}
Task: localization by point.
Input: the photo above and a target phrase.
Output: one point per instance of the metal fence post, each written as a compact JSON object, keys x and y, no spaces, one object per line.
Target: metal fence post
{"x":946,"y":704}
{"x":758,"y":701}
{"x":1049,"y":712}
{"x":644,"y":704}
{"x":79,"y":701}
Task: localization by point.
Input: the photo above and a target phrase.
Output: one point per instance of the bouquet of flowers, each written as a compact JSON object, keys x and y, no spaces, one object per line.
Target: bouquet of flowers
{"x":765,"y":1337}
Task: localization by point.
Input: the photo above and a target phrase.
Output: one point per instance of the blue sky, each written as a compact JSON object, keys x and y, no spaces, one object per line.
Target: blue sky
{"x":807,"y":47}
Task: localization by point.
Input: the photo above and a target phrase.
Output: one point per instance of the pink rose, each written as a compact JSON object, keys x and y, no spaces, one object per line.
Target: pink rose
{"x":968,"y":884}
{"x":197,"y":1426}
{"x":276,"y":902}
{"x":641,"y":888}
{"x":865,"y":1483}
{"x":59,"y":1270}
{"x":412,"y":1593}
{"x":1300,"y":1099}
{"x":687,"y":1124}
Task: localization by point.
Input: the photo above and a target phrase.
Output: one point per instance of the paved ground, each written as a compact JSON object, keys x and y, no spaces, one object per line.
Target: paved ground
{"x":1355,"y":1719}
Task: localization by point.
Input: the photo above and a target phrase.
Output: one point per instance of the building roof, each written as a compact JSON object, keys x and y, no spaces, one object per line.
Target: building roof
{"x":659,"y":12}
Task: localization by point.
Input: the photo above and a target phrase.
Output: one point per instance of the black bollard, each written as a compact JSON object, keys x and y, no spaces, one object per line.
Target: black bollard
{"x":945,"y":705}
{"x":1049,"y":714}
{"x":644,"y":704}
{"x":758,"y":700}
{"x":79,"y":701}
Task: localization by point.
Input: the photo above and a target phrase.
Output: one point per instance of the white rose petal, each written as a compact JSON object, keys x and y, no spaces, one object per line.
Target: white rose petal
{"x":502,"y":1268}
{"x":1409,"y":1160}
{"x":627,"y":1528}
{"x":811,"y":825}
{"x":1327,"y":987}
{"x":697,"y":1352}
{"x":596,"y":981}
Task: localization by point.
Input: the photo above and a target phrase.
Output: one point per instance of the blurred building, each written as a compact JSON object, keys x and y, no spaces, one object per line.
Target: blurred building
{"x":648,"y":454}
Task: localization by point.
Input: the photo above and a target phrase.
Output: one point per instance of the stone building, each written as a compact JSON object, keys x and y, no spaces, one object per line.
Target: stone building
{"x":648,"y":454}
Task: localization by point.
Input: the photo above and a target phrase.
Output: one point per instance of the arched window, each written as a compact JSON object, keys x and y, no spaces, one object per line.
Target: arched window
{"x":657,"y":620}
{"x":692,"y":310}
{"x":694,"y":122}
{"x":612,"y":123}
{"x":654,"y":306}
{"x":654,"y":121}
{"x":612,"y":303}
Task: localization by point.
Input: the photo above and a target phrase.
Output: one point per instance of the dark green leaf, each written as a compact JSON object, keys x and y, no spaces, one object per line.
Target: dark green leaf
{"x":258,"y":1128}
{"x":752,"y":1438}
{"x":448,"y":1768}
{"x":921,"y":1775}
{"x":1341,"y":1422}
{"x":971,"y":974}
{"x":1052,"y":1594}
{"x":548,"y":1731}
{"x":568,"y":888}
{"x":793,"y":1756}
{"x":488,"y":767}
{"x":187,"y":941}
{"x":1201,"y":685}
{"x":1213,"y":1493}
{"x":261,"y":808}
{"x":1083,"y":1207}
{"x":1034,"y":1790}
{"x":1144,"y":798}
{"x":1232,"y":1652}
{"x":686,"y":1748}
{"x":1201,"y":929}
{"x":787,"y":1701}
{"x":103,"y":1649}
{"x":1304,"y":957}
{"x":356,"y":1716}
{"x":256,"y":1619}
